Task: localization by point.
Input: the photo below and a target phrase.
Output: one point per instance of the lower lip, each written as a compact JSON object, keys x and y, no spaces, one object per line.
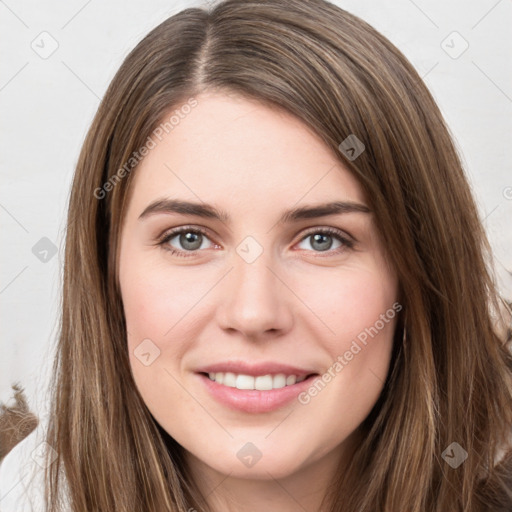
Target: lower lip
{"x":252,"y":400}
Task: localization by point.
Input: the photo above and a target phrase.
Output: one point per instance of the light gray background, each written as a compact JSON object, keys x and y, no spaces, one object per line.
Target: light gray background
{"x":47,"y":105}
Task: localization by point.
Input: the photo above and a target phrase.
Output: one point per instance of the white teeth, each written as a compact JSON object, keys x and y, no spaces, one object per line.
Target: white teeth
{"x":291,"y":379}
{"x":244,"y":382}
{"x":279,"y":380}
{"x":229,"y":379}
{"x":261,"y":382}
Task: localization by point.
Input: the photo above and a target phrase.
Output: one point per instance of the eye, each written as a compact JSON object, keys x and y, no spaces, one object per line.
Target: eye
{"x":190,"y":239}
{"x":322,"y":240}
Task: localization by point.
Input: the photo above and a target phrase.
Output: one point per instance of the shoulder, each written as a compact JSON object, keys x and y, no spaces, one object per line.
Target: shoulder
{"x":22,"y":475}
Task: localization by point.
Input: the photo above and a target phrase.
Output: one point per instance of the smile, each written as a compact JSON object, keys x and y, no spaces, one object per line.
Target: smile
{"x":259,"y":382}
{"x":280,"y":390}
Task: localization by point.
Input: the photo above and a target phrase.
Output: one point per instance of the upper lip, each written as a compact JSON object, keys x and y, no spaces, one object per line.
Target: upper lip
{"x":255,"y":369}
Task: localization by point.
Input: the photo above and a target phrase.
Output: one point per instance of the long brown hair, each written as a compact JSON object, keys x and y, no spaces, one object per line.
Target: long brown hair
{"x":451,"y":373}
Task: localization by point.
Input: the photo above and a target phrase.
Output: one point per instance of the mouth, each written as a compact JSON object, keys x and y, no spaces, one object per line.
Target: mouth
{"x":254,"y":394}
{"x":266,"y":382}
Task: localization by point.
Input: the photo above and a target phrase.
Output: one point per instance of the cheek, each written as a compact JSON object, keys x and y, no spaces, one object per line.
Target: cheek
{"x":147,"y":307}
{"x":352,"y":302}
{"x":359,"y":308}
{"x":153,"y":321}
{"x":155,"y":300}
{"x":150,"y":312}
{"x":159,"y":307}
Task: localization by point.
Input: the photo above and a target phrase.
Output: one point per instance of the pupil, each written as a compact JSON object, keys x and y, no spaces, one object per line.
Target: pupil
{"x":191,"y":238}
{"x":317,"y":239}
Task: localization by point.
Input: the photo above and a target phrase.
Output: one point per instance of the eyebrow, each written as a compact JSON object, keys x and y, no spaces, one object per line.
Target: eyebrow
{"x":209,"y":211}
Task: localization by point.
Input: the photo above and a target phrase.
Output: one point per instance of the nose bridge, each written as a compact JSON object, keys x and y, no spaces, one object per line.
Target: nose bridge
{"x":256,"y":298}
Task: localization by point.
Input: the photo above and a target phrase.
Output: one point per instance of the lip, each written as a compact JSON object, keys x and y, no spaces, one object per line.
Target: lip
{"x":252,"y":400}
{"x":255,"y":369}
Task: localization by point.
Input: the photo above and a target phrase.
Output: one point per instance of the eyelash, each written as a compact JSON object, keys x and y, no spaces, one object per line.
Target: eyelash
{"x":169,"y":235}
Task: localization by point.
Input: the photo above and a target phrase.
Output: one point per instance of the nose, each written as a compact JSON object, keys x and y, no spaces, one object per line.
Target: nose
{"x":257,"y":301}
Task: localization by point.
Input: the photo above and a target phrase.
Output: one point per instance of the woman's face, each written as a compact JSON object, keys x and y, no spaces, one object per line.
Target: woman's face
{"x":265,"y":287}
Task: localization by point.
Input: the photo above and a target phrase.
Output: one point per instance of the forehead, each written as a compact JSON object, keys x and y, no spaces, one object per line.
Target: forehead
{"x":232,"y":149}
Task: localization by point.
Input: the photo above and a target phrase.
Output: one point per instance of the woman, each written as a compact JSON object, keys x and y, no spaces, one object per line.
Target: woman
{"x":258,"y":368}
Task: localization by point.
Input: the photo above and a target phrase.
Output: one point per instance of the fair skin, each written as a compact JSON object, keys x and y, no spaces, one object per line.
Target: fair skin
{"x":295,"y":304}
